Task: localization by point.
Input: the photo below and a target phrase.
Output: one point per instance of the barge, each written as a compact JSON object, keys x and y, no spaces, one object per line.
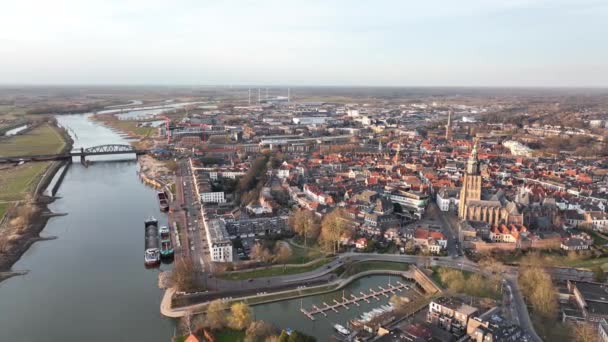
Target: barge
{"x":152,"y":250}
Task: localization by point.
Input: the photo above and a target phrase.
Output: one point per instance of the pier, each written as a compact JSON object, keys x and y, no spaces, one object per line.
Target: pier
{"x":344,"y":302}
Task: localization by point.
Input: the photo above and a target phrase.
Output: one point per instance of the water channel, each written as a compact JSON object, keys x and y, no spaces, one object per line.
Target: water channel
{"x":91,"y":284}
{"x":15,"y":130}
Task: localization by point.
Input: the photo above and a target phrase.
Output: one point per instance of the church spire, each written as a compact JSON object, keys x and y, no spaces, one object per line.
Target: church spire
{"x":473,"y":162}
{"x":448,"y":127}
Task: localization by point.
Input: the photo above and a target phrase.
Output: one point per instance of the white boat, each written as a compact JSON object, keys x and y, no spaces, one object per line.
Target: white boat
{"x":342,"y":330}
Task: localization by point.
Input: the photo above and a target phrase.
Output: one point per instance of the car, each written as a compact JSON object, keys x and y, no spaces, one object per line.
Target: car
{"x":250,"y":280}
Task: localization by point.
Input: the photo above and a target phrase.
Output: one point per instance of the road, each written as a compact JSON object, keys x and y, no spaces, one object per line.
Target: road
{"x":187,"y":212}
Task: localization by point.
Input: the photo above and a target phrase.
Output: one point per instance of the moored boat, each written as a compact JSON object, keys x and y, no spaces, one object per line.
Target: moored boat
{"x":166,"y":246}
{"x":163,"y":201}
{"x":342,"y":330}
{"x":152,"y":250}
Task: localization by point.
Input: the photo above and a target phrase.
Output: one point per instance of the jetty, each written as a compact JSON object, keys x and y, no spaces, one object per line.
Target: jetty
{"x":353,"y":300}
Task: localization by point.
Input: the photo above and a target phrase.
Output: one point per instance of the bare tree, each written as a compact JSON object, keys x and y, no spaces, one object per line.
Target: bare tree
{"x":260,"y":253}
{"x":306,"y":224}
{"x":334,"y":227}
{"x":282,"y":253}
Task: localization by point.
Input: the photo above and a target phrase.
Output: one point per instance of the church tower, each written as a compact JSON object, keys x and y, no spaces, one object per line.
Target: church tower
{"x":448,"y":127}
{"x":471,"y":184}
{"x":396,"y":157}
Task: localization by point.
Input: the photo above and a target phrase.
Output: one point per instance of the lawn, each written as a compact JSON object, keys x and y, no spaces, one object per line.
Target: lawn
{"x":587,"y":263}
{"x":17,"y":181}
{"x":301,"y":255}
{"x":228,"y":335}
{"x":43,"y":139}
{"x":375,"y":265}
{"x":130,"y":127}
{"x":3,"y":207}
{"x":273,"y":271}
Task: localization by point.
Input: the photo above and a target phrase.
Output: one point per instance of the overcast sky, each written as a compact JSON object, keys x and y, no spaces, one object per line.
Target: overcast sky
{"x":306,"y":42}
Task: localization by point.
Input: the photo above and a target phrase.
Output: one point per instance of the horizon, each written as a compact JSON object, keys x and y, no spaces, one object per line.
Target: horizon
{"x":473,"y":43}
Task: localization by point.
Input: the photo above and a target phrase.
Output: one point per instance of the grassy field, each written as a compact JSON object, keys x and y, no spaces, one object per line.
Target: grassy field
{"x":11,"y":112}
{"x":301,"y":255}
{"x":273,"y":271}
{"x":228,"y":335}
{"x":132,"y":128}
{"x":43,"y":139}
{"x":3,"y":208}
{"x":17,"y":181}
{"x":375,"y":265}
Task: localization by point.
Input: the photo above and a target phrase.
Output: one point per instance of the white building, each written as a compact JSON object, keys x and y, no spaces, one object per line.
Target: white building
{"x":310,"y":120}
{"x":517,"y":148}
{"x":448,"y":198}
{"x":213,"y":197}
{"x":219,"y":241}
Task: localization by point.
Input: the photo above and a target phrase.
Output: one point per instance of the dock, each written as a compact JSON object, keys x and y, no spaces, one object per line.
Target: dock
{"x":344,"y":302}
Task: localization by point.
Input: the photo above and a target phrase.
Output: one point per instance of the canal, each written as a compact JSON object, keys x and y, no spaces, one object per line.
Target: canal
{"x":90,"y":283}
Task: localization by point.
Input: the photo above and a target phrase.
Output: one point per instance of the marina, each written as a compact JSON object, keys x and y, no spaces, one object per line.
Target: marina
{"x":353,"y":300}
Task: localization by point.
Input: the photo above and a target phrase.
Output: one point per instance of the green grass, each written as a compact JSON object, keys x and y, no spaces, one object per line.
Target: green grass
{"x":301,"y":255}
{"x":588,"y":263}
{"x":132,"y":128}
{"x":43,"y":139}
{"x":228,"y":335}
{"x":17,"y":181}
{"x":375,"y":265}
{"x":3,"y":208}
{"x":273,"y":271}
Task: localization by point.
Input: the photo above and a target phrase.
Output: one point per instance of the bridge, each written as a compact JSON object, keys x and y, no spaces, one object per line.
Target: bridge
{"x":99,"y":150}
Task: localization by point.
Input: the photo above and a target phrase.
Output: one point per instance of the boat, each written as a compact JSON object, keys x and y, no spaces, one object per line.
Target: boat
{"x":152,"y":250}
{"x":151,"y":222}
{"x":152,"y":257}
{"x":166,"y":246}
{"x":163,"y":201}
{"x":342,"y":330}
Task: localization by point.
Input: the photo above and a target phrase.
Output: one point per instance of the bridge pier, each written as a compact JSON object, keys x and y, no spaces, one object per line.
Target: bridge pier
{"x":83,"y":159}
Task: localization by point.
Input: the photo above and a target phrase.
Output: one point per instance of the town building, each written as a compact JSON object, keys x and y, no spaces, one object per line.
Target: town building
{"x":219,"y":240}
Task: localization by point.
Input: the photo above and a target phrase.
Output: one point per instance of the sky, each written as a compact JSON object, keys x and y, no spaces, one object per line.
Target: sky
{"x":561,"y":43}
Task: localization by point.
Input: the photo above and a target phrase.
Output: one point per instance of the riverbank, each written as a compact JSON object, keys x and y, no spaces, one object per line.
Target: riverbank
{"x":19,"y":232}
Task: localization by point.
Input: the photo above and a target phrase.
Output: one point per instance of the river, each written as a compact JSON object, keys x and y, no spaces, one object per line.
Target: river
{"x":90,"y":283}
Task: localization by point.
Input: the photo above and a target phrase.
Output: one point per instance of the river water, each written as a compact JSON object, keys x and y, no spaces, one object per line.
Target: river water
{"x":15,"y":130}
{"x":287,"y":314}
{"x":90,"y":283}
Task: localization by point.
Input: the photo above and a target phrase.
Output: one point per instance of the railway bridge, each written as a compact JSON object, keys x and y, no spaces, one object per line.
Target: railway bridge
{"x":99,"y":150}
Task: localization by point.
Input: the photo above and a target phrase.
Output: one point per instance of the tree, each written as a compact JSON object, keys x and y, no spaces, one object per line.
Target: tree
{"x":216,"y":315}
{"x":454,"y":280}
{"x":183,"y":275}
{"x":259,"y":331}
{"x":260,"y":253}
{"x":333,"y":227}
{"x":282,"y":253}
{"x":599,"y":274}
{"x":240,"y":316}
{"x":538,"y":288}
{"x":306,"y":224}
{"x":584,"y":333}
